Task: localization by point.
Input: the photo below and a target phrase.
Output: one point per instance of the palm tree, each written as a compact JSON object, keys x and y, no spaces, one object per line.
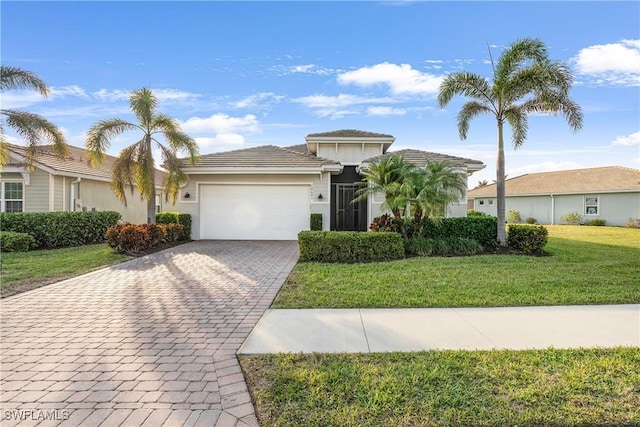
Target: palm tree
{"x":135,"y":165}
{"x":484,"y":183}
{"x":525,"y":81}
{"x":430,"y":190}
{"x":33,"y":128}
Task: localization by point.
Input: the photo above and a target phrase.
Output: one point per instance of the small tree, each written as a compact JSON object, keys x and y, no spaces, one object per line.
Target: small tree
{"x":135,"y":165}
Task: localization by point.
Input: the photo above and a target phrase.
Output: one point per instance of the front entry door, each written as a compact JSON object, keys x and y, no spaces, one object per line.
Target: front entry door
{"x":349,"y":216}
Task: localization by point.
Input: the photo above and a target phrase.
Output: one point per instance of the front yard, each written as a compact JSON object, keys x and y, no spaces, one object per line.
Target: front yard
{"x":587,"y":265}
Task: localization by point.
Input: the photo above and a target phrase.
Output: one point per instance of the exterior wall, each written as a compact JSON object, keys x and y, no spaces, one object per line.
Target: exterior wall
{"x":59,"y":194}
{"x":615,"y":208}
{"x":36,"y":194}
{"x":98,"y":195}
{"x":318,"y":184}
{"x":349,"y":153}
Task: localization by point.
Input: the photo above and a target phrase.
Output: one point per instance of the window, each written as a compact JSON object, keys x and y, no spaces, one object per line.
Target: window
{"x":158,"y":203}
{"x":11,"y":197}
{"x":490,"y":202}
{"x":481,"y":202}
{"x":591,"y":205}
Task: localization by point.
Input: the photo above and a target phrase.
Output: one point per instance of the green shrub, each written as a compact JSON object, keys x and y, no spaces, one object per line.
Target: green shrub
{"x":473,"y":212}
{"x":573,"y":218}
{"x":530,"y":239}
{"x":451,"y":246}
{"x":315,"y":222}
{"x":482,"y":229}
{"x":596,"y":222}
{"x":176,"y":218}
{"x":10,"y":241}
{"x":349,"y":246}
{"x":61,"y":229}
{"x":513,"y":216}
{"x":530,"y":220}
{"x":632,"y":223}
{"x":172,"y":232}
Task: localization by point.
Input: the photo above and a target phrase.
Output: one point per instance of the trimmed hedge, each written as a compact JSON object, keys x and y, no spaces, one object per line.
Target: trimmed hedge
{"x":176,"y":218}
{"x":349,"y":246}
{"x":529,"y":239}
{"x":448,"y":246}
{"x":11,"y":241}
{"x":482,"y":229}
{"x":61,"y":229}
{"x":315,"y":222}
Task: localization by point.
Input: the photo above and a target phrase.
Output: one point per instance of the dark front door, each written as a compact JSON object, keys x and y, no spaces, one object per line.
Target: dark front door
{"x":349,"y":216}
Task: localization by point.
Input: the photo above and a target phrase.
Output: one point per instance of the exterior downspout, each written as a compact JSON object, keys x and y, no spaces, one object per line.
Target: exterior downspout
{"x":72,"y":195}
{"x":553,"y":210}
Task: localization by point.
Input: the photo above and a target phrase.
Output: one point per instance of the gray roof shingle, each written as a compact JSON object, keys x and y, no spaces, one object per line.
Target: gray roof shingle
{"x":589,"y":180}
{"x":264,"y":156}
{"x":420,"y":158}
{"x":349,"y":133}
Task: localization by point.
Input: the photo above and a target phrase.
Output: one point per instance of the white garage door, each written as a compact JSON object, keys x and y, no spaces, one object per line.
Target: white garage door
{"x":253,"y":212}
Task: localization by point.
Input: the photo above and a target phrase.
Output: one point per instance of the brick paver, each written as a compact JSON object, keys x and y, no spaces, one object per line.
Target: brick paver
{"x":151,"y":341}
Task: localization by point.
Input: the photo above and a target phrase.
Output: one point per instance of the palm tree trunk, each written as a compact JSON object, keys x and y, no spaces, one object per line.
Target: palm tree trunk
{"x":151,"y":203}
{"x":502,"y":239}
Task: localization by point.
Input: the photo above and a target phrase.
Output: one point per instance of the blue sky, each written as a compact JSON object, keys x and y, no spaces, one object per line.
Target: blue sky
{"x":240,"y":74}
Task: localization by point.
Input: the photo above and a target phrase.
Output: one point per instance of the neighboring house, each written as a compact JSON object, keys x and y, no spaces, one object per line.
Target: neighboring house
{"x":611,"y":193}
{"x":69,"y":184}
{"x":269,"y":192}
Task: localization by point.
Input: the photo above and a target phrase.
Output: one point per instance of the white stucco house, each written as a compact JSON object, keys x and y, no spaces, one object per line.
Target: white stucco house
{"x":67,"y":184}
{"x":268,"y":192}
{"x":611,"y":193}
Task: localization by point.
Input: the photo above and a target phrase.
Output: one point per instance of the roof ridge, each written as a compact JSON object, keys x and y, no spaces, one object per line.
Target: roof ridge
{"x":310,"y":155}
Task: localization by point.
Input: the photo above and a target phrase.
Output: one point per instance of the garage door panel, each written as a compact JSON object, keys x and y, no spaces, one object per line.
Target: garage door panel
{"x":253,"y":212}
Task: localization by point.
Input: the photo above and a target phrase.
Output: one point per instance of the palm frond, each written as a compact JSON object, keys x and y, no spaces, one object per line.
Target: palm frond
{"x":557,"y":103}
{"x":517,"y":118}
{"x":466,"y":84}
{"x":123,"y":172}
{"x":36,"y":130}
{"x":143,"y":103}
{"x":468,"y":111}
{"x":518,"y":54}
{"x":145,"y":170}
{"x":174,"y":177}
{"x":99,"y":138}
{"x":17,"y":78}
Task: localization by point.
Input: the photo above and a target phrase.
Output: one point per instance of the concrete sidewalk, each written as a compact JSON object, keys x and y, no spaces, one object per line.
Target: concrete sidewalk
{"x":382,"y":330}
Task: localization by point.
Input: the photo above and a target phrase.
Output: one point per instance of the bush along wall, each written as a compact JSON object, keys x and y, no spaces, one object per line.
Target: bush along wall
{"x":11,"y":241}
{"x":176,"y":218}
{"x":482,"y":229}
{"x":530,"y":239}
{"x":315,"y":222}
{"x":133,"y":239}
{"x":349,"y":246}
{"x":61,"y":229}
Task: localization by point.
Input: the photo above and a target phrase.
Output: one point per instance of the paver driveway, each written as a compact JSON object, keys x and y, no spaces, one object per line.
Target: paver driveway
{"x":148,"y":342}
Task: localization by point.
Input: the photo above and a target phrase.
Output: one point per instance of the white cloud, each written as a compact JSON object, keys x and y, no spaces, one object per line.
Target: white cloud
{"x":111,"y":94}
{"x":401,"y":79}
{"x":632,"y":139}
{"x":257,"y":100}
{"x":220,"y":142}
{"x":20,"y":99}
{"x":221,"y":124}
{"x":64,"y":91}
{"x":611,"y":64}
{"x":324,"y":101}
{"x":385,"y":111}
{"x":160,"y":94}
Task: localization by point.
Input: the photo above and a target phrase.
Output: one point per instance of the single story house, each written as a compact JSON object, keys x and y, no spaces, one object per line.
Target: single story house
{"x":69,"y":184}
{"x":268,"y":192}
{"x":611,"y":193}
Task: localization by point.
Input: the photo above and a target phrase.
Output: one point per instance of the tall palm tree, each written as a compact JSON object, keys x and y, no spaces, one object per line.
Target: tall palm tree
{"x":135,"y":165}
{"x":484,"y":183}
{"x":33,"y":128}
{"x":525,"y":81}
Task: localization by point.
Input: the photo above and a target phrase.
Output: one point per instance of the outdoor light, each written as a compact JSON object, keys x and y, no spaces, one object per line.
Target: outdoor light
{"x":320,"y":196}
{"x":187,"y":195}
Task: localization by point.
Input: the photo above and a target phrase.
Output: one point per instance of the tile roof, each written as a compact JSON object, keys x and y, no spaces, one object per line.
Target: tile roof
{"x":76,"y":163}
{"x":300,"y":148}
{"x":420,"y":158}
{"x":590,"y":180}
{"x":349,"y":133}
{"x":264,"y":156}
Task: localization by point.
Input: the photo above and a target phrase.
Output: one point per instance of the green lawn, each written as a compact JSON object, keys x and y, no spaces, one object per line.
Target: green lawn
{"x":27,"y":270}
{"x":587,"y":265}
{"x":447,"y":388}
